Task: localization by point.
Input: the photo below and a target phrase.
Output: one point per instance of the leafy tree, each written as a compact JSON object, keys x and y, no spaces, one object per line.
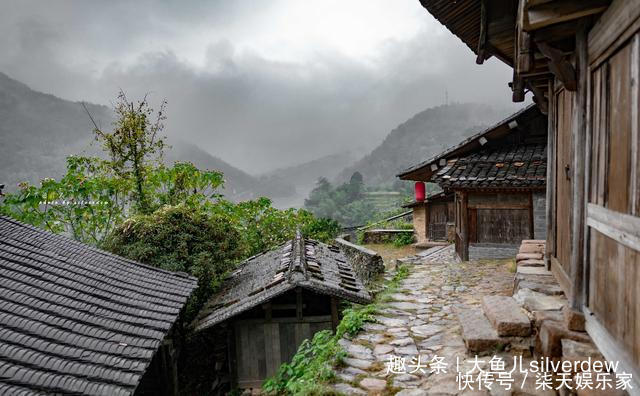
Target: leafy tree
{"x":92,"y":198}
{"x":86,"y":203}
{"x":134,"y":144}
{"x":181,"y":238}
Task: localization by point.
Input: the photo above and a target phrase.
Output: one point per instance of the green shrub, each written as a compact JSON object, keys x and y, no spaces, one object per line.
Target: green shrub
{"x":181,"y":238}
{"x":312,"y":367}
{"x":403,"y":239}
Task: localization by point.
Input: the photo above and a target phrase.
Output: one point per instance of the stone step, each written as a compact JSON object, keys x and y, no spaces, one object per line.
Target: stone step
{"x":531,"y":248}
{"x":534,"y":241}
{"x":527,"y":256}
{"x":533,"y":271}
{"x":477,"y":333}
{"x":506,"y":316}
{"x":531,"y":263}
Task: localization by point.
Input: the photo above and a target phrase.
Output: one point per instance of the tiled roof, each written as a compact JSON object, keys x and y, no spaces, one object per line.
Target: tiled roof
{"x":78,"y":320}
{"x":468,"y":143}
{"x":514,"y":166}
{"x":298,"y":263}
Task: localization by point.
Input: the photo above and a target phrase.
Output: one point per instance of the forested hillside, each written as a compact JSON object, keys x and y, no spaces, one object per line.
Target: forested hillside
{"x":422,"y":136}
{"x":37,"y":132}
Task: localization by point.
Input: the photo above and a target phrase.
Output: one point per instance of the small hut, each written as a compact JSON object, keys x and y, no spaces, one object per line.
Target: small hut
{"x":274,"y":301}
{"x":433,"y":219}
{"x":498,"y":177}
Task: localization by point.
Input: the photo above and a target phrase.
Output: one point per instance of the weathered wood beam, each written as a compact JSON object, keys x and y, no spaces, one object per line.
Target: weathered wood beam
{"x":483,"y":40}
{"x":559,"y":65}
{"x":542,"y":15}
{"x":579,"y":133}
{"x":539,"y":98}
{"x":517,"y":87}
{"x":551,"y":180}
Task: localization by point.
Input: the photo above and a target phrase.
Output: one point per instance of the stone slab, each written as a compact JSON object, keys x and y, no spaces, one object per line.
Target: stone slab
{"x":527,"y":256}
{"x":506,"y":316}
{"x":549,"y":343}
{"x":373,"y":384}
{"x":533,"y":271}
{"x":531,"y":263}
{"x":531,"y":248}
{"x":477,"y":332}
{"x":574,"y":320}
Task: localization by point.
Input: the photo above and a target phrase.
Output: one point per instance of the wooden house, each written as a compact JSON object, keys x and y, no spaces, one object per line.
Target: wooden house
{"x":78,"y":320}
{"x":498,"y":178}
{"x":581,"y":61}
{"x":433,"y":219}
{"x":274,"y":301}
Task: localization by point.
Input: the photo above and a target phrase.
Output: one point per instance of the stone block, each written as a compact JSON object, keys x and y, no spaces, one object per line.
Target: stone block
{"x":547,"y":288}
{"x":531,"y":263}
{"x":373,"y":384}
{"x":477,"y":332}
{"x":527,"y":256}
{"x":506,"y":316}
{"x":575,"y":351}
{"x":533,"y":271}
{"x":531,"y":248}
{"x":541,"y":316}
{"x":574,"y":320}
{"x":551,"y":335}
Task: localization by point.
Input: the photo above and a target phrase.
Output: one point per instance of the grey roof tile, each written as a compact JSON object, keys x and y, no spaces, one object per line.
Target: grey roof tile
{"x":300,"y":262}
{"x":76,"y":319}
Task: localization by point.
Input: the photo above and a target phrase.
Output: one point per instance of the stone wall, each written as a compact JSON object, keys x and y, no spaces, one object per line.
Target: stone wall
{"x":420,"y":223}
{"x":367,"y":264}
{"x":539,"y":215}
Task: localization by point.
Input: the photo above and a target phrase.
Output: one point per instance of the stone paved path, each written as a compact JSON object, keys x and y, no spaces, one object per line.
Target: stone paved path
{"x":419,"y":320}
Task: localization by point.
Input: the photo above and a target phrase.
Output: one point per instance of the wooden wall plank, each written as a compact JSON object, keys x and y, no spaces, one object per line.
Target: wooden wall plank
{"x":619,"y":172}
{"x":551,"y":177}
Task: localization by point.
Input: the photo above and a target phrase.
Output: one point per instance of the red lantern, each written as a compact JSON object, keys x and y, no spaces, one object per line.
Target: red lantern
{"x":420,"y":192}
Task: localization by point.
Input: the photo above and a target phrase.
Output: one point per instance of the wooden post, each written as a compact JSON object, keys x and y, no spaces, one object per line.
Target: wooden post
{"x":531,"y":217}
{"x":464,"y":225}
{"x":335,"y":317}
{"x":483,"y":39}
{"x":426,"y":220}
{"x":551,"y":177}
{"x":579,"y":132}
{"x":299,"y":303}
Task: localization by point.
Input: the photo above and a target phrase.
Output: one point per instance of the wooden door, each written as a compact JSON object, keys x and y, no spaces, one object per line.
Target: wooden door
{"x":613,"y":210}
{"x":261,"y":347}
{"x":438,"y":221}
{"x":563,"y":193}
{"x":473,"y":225}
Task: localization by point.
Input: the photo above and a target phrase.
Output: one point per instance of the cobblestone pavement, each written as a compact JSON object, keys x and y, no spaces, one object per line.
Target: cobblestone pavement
{"x":420,"y":320}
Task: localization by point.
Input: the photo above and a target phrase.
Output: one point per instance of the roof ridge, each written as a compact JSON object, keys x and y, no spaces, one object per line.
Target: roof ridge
{"x":91,"y":248}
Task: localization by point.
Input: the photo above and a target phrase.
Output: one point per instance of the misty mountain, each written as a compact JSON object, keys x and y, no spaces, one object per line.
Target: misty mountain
{"x":304,"y":176}
{"x":38,"y":131}
{"x":421,"y":137}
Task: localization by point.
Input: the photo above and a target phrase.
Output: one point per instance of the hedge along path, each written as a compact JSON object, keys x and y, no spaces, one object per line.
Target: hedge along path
{"x":419,"y":319}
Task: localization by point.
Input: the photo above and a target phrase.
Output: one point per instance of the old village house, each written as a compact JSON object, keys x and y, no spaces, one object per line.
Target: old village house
{"x":498,"y":180}
{"x":272,"y":302}
{"x":581,"y":62}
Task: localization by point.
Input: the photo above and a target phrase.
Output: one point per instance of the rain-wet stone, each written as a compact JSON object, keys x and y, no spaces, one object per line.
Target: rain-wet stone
{"x":373,"y":384}
{"x":477,"y":332}
{"x":426,"y":330}
{"x":506,"y":316}
{"x":358,"y":363}
{"x":348,"y":389}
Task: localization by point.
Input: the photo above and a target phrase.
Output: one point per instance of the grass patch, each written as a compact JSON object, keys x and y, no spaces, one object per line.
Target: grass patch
{"x":311,"y":370}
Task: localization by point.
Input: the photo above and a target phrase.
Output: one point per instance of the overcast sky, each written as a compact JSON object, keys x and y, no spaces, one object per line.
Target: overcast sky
{"x":259,"y":83}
